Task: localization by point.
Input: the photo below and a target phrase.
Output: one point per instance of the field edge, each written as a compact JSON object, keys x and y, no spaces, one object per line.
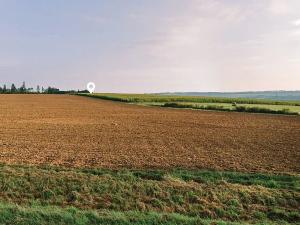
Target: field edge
{"x":181,"y":196}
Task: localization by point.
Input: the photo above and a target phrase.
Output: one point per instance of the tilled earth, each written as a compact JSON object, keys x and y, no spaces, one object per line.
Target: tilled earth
{"x":84,"y":132}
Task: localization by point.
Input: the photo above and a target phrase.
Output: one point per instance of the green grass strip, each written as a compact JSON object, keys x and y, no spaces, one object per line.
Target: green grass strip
{"x":233,"y":109}
{"x":49,"y":215}
{"x":212,"y":195}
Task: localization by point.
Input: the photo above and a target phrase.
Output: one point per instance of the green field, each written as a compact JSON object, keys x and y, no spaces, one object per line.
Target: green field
{"x":101,"y":196}
{"x":197,"y":99}
{"x":207,"y":103}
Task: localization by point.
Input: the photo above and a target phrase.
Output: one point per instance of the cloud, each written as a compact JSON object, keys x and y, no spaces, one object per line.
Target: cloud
{"x":214,"y":42}
{"x":294,"y":60}
{"x":197,"y":29}
{"x":295,"y":33}
{"x":296,"y":22}
{"x":279,"y":7}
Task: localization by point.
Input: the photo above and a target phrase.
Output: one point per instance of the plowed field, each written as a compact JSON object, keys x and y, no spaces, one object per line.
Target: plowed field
{"x":85,"y":132}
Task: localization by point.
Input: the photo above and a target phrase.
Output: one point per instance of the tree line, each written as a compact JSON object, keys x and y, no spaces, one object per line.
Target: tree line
{"x":13,"y":89}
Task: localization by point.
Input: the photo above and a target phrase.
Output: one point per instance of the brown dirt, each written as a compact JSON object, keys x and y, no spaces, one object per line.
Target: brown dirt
{"x":85,"y":132}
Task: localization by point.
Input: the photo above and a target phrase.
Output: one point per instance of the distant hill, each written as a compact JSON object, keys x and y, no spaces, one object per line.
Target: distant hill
{"x":273,"y":95}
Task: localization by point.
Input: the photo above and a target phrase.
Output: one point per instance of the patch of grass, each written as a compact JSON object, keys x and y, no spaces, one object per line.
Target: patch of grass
{"x":263,"y":110}
{"x":227,"y":196}
{"x":195,"y":106}
{"x":36,"y":215}
{"x":279,"y":214}
{"x":231,"y":109}
{"x":266,"y":180}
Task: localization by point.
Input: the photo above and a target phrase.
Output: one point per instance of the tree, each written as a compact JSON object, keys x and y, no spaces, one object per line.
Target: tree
{"x":23,"y":88}
{"x":43,"y":90}
{"x":13,"y":88}
{"x":29,"y":90}
{"x":4,"y":88}
{"x":52,"y":90}
{"x":38,"y":89}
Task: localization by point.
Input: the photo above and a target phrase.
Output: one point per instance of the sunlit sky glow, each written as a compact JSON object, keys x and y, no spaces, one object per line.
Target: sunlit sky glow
{"x":151,"y":46}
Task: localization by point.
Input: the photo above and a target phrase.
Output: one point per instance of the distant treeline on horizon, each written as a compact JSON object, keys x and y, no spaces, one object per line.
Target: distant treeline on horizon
{"x":13,"y":89}
{"x":272,"y":95}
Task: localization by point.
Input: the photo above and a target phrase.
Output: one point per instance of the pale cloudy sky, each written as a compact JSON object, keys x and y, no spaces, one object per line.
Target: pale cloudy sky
{"x":151,"y":46}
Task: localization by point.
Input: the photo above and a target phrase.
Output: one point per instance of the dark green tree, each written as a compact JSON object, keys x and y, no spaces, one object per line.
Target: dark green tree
{"x":23,"y":88}
{"x":52,"y":90}
{"x":13,"y":88}
{"x":29,"y":90}
{"x":38,"y":89}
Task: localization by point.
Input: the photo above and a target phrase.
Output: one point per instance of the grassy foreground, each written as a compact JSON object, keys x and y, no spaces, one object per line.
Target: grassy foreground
{"x":52,"y":195}
{"x":13,"y":214}
{"x":207,"y":103}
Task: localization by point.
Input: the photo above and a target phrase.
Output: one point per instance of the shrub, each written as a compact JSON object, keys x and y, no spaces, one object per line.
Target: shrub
{"x":264,"y":110}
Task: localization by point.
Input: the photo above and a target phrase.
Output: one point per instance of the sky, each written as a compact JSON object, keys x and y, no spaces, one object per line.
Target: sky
{"x":151,"y":46}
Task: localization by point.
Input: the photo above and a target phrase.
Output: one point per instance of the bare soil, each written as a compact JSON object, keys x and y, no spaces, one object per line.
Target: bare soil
{"x":84,"y":132}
